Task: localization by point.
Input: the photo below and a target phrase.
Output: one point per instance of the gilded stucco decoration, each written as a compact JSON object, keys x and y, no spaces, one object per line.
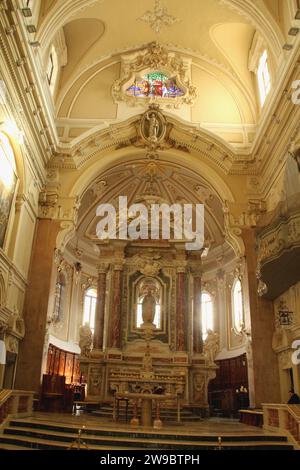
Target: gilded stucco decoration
{"x":153,"y":59}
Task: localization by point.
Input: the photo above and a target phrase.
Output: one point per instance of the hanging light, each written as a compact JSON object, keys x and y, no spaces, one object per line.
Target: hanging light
{"x":262,"y":288}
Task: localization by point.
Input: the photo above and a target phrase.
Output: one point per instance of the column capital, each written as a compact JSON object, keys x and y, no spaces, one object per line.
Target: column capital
{"x":102,"y":268}
{"x":196,"y":271}
{"x":118,"y":265}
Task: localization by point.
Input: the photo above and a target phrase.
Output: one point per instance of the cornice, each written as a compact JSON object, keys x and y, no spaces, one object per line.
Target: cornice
{"x":182,"y":136}
{"x":14,"y":49}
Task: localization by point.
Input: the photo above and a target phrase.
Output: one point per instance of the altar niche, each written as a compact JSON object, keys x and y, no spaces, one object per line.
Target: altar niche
{"x":148,"y":304}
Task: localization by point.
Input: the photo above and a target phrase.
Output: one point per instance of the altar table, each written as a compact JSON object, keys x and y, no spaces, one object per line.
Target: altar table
{"x":146,"y":406}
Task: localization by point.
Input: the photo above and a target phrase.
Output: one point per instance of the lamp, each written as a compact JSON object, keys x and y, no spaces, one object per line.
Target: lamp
{"x":35,"y":43}
{"x":31,"y":28}
{"x":27,"y":12}
{"x":297,"y":16}
{"x":262,"y":287}
{"x":285,"y":316}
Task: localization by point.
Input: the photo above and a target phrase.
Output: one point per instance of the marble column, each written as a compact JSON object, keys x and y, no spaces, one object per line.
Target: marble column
{"x":263,"y":374}
{"x":116,"y":307}
{"x":197,"y":326}
{"x":181,"y":310}
{"x":100,"y":308}
{"x":30,"y":356}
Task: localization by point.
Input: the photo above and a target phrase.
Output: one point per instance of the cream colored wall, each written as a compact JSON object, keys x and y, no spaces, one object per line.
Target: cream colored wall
{"x":16,"y":253}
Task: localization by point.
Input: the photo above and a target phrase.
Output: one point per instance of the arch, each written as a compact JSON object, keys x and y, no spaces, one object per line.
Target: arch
{"x":263,"y":20}
{"x":58,"y":16}
{"x":191,"y":161}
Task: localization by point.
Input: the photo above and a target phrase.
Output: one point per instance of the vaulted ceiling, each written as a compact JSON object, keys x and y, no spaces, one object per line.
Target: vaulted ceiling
{"x":215,"y":36}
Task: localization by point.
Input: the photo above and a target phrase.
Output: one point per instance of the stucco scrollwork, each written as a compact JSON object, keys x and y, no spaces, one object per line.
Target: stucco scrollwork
{"x":154,"y":58}
{"x":273,"y":241}
{"x":147,"y":265}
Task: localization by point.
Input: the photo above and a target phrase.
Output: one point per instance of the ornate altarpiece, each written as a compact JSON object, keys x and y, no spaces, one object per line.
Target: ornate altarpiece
{"x":171,"y":360}
{"x":147,"y":329}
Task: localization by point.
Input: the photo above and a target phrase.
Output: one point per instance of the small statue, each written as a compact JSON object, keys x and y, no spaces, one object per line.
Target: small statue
{"x":211,"y":346}
{"x":153,"y":126}
{"x":148,"y":309}
{"x":85,"y":339}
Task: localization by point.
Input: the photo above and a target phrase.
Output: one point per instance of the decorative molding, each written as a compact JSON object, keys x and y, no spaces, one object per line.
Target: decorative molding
{"x":158,"y":18}
{"x":278,"y":238}
{"x":155,"y":58}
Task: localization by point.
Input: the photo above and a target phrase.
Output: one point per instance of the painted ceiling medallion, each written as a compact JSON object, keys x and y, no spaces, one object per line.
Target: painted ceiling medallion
{"x":158,"y":18}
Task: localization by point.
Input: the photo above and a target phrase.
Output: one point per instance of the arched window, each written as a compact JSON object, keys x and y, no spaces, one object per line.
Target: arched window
{"x":89,"y":308}
{"x":60,"y":295}
{"x":150,"y":288}
{"x":207,"y":313}
{"x":263,"y":77}
{"x":237,"y":305}
{"x":8,"y":181}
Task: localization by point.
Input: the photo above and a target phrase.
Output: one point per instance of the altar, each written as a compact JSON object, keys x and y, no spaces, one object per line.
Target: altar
{"x":146,"y":400}
{"x":147,"y":331}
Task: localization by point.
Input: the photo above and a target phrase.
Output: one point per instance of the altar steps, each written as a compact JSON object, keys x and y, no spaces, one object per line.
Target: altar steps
{"x":166,"y":414}
{"x":31,"y":434}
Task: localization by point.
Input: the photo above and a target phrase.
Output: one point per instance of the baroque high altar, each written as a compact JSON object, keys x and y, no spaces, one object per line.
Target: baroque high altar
{"x":144,"y":334}
{"x":147,"y":332}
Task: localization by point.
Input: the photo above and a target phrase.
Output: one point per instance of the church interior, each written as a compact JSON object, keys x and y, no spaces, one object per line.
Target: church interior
{"x":141,"y":342}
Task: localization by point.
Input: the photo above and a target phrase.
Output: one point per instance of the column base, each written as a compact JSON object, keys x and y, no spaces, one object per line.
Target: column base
{"x":97,"y":354}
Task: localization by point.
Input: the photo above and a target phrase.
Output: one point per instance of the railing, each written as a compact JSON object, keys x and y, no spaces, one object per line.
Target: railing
{"x":15,"y":404}
{"x":283,"y":418}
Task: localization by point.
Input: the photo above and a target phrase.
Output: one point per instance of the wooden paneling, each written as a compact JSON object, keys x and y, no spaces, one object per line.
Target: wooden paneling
{"x":231,"y":375}
{"x":63,"y":363}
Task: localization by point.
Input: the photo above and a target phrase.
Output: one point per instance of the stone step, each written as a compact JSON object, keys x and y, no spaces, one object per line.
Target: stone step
{"x":41,"y":439}
{"x":6,"y":446}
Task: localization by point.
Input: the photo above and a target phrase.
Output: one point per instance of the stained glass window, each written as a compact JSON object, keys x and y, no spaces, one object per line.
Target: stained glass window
{"x":154,"y":84}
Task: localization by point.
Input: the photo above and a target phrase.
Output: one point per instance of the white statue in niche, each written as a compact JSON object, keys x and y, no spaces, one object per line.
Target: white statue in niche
{"x":85,"y":339}
{"x":211,"y":346}
{"x":153,"y":126}
{"x":148,"y":309}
